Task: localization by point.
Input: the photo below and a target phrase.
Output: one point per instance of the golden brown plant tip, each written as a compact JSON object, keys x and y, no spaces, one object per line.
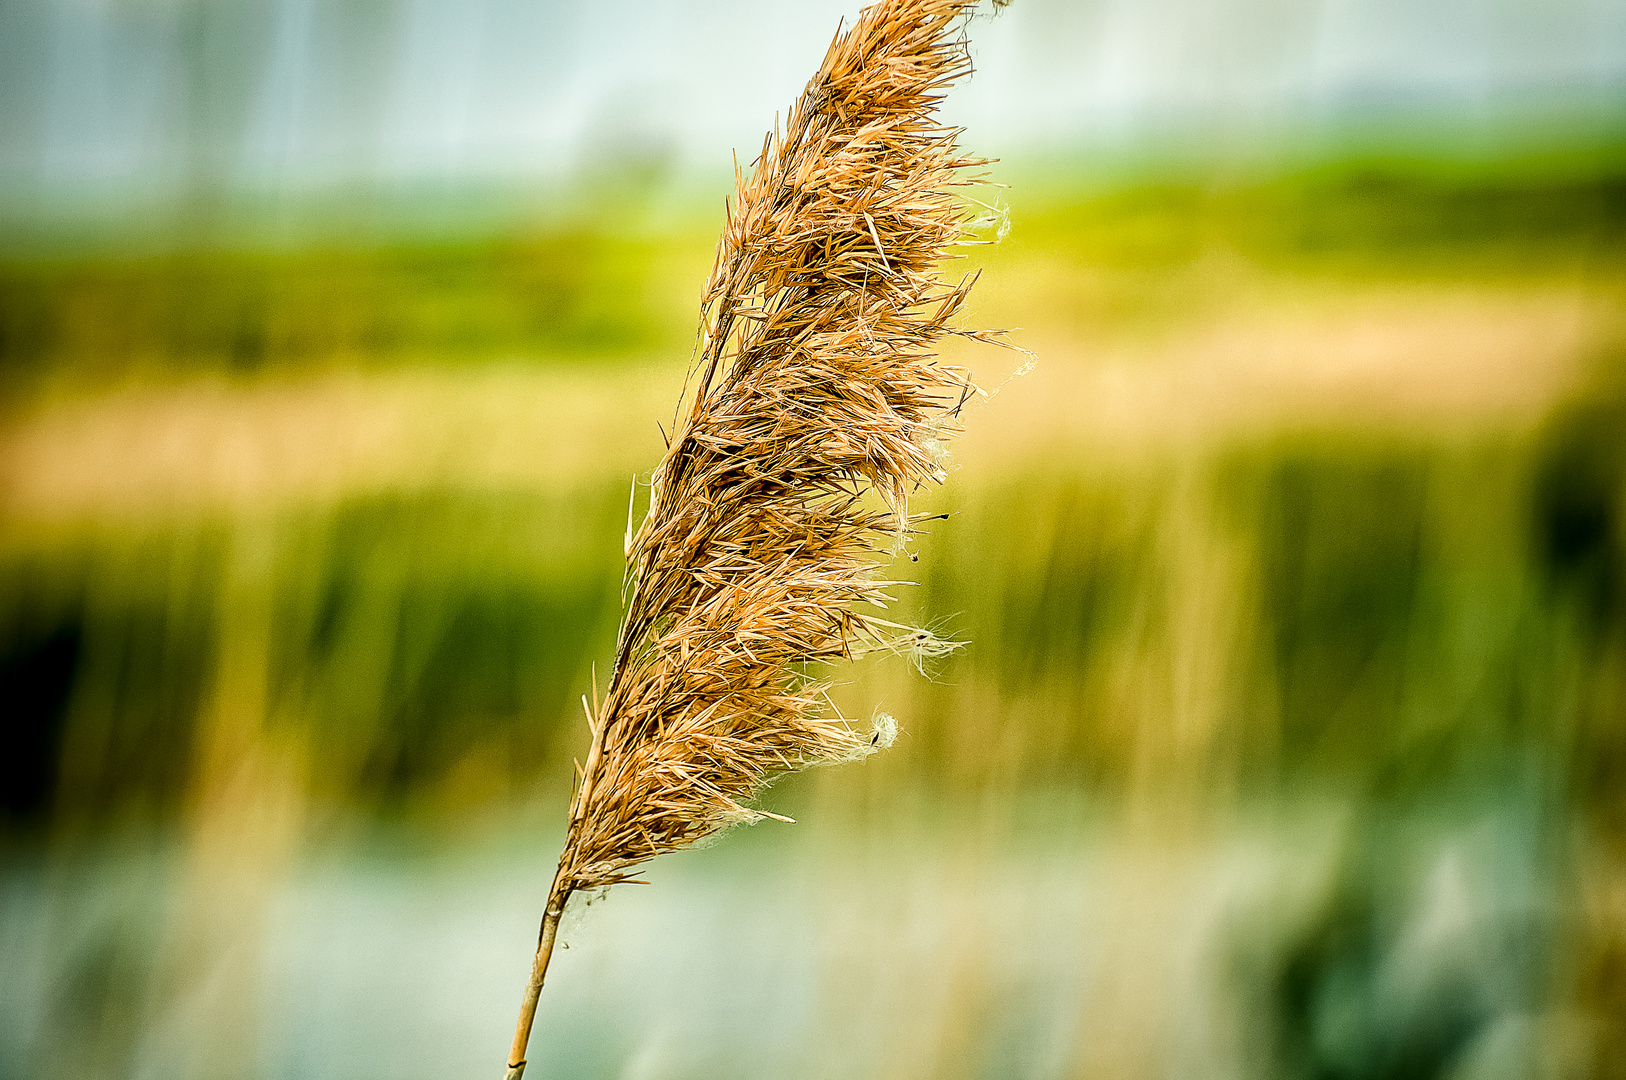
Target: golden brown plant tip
{"x":818,"y":408}
{"x":815,"y":385}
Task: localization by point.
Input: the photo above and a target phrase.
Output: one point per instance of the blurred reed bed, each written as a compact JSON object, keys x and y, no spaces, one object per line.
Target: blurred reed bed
{"x":819,"y":407}
{"x":1288,"y":744}
{"x":596,"y":286}
{"x":570,"y":290}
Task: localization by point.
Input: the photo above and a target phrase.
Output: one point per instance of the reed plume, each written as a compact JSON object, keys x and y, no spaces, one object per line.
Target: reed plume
{"x":817,"y":408}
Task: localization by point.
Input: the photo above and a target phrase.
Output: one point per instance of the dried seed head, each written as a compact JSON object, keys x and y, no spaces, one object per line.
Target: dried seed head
{"x":817,"y":408}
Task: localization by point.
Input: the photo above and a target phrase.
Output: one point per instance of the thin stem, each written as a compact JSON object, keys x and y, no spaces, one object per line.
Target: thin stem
{"x":539,"y":969}
{"x":564,"y":883}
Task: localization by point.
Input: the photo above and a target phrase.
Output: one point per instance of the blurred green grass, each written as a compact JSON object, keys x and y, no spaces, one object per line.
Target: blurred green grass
{"x":594,"y":288}
{"x":424,"y":623}
{"x":1314,"y":500}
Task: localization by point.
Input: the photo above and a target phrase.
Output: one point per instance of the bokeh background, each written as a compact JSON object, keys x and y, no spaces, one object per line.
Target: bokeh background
{"x":1291,"y":738}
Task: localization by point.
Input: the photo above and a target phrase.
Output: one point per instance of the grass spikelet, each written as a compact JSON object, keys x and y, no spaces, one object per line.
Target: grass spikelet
{"x":817,"y":408}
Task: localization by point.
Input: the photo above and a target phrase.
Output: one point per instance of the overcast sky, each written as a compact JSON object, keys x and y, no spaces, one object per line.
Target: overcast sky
{"x":291,"y":93}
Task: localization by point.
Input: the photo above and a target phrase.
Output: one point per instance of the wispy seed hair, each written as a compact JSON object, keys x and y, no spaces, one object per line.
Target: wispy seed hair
{"x":817,"y":408}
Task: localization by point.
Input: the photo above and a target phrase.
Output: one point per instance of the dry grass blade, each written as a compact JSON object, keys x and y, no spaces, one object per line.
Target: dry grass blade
{"x":818,"y":407}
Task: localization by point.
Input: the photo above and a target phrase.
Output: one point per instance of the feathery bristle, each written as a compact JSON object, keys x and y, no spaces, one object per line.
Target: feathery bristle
{"x":816,"y":384}
{"x":818,"y":408}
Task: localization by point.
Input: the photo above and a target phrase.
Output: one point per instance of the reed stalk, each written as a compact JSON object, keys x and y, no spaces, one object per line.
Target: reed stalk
{"x":818,"y":407}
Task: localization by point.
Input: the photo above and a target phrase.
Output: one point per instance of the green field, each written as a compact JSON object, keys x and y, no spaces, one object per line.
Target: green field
{"x":1294,"y":576}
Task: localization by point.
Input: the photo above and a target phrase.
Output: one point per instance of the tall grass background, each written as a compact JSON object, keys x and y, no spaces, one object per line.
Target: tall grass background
{"x":1289,"y":742}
